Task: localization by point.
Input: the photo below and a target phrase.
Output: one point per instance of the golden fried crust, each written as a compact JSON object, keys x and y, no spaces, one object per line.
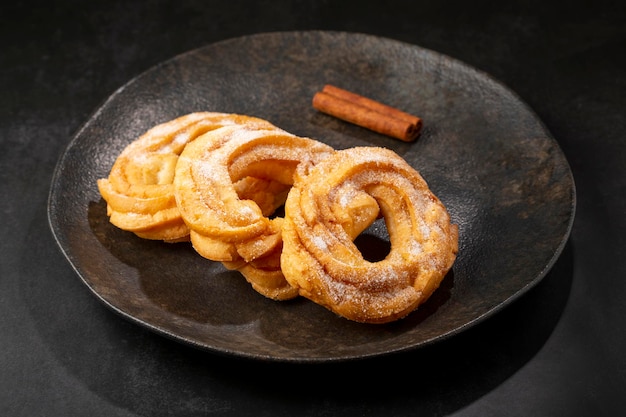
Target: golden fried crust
{"x":321,"y":260}
{"x":229,"y":225}
{"x":139,"y":189}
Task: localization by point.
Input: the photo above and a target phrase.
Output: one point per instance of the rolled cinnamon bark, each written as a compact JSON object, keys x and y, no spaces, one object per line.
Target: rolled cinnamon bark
{"x":367,"y":113}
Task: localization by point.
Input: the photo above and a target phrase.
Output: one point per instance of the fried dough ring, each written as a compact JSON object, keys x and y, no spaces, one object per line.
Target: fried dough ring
{"x":321,"y":260}
{"x":227,"y":228}
{"x":139,"y":190}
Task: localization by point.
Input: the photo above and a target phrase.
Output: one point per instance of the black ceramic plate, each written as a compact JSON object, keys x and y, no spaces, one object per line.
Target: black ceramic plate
{"x":482,"y":150}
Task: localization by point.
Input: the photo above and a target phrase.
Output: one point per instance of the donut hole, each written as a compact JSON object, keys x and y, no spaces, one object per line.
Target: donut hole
{"x":279,"y":212}
{"x":266,"y":182}
{"x":374,"y":242}
{"x":268,"y":194}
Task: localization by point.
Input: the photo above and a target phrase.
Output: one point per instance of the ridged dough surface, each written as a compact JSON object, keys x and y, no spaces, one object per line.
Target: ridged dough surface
{"x":320,"y":258}
{"x":226,"y":226}
{"x":139,"y":189}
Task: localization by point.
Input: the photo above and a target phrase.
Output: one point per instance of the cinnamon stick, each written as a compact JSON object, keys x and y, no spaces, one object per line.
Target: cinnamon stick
{"x":367,"y":113}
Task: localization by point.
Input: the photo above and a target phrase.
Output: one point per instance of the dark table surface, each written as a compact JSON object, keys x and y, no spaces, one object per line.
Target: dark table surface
{"x":556,"y":351}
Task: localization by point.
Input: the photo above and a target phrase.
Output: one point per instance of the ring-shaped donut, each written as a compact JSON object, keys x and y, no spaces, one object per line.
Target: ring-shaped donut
{"x":321,"y":260}
{"x":223,"y":225}
{"x":139,"y":188}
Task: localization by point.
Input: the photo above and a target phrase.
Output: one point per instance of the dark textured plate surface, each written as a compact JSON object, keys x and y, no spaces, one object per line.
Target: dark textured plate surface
{"x":483,"y":151}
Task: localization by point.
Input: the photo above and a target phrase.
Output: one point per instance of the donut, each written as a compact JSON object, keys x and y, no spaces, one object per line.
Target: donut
{"x":139,"y":189}
{"x":230,"y":226}
{"x":320,"y":259}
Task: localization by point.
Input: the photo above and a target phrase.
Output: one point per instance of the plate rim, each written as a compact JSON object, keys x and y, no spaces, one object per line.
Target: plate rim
{"x":76,"y":137}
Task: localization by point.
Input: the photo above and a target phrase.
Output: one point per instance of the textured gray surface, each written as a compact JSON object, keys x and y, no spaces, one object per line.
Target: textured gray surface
{"x":556,"y":351}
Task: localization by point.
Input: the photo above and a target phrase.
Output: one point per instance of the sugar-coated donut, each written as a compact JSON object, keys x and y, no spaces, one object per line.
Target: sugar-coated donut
{"x":224,"y":225}
{"x":319,"y":256}
{"x":139,"y":189}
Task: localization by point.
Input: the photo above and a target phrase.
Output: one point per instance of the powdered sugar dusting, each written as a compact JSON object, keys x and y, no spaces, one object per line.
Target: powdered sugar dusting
{"x":210,"y":172}
{"x":415,"y":248}
{"x":320,"y":243}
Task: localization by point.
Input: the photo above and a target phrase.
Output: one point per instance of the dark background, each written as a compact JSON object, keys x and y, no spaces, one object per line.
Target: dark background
{"x":557,"y":351}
